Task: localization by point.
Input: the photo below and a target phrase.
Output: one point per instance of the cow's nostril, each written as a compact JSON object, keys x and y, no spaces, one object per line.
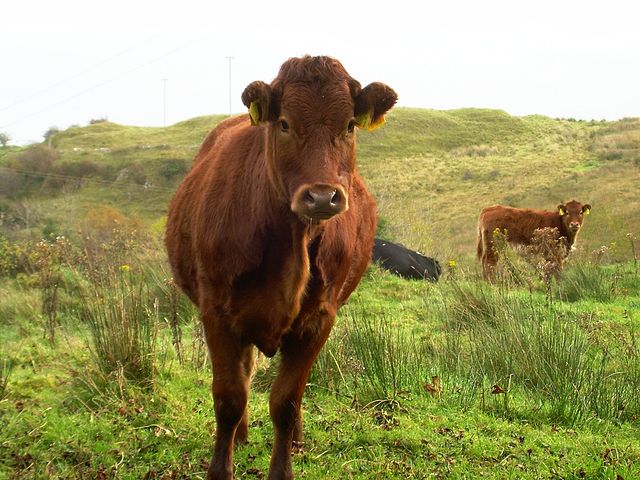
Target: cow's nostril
{"x":336,"y":198}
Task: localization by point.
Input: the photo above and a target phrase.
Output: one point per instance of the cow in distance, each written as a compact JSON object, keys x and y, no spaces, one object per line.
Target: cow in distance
{"x":405,"y":262}
{"x":519,"y":226}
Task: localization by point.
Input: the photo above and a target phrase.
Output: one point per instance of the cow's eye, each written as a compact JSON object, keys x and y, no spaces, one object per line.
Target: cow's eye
{"x":352,"y":125}
{"x":284,"y":126}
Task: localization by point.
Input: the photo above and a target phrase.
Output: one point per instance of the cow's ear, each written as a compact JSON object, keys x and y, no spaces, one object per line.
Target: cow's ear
{"x":586,"y":209}
{"x":372,"y":102}
{"x":562,"y":210}
{"x":257,"y":98}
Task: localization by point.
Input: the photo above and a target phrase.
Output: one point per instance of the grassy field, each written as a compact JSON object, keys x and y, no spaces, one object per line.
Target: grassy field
{"x":103,"y":373}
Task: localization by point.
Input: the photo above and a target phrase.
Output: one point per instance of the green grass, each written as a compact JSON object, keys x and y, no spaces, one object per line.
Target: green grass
{"x":564,"y":354}
{"x":569,"y":372}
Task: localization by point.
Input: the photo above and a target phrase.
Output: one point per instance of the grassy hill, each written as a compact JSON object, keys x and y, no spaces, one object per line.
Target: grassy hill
{"x":431,"y":172}
{"x":103,"y":367}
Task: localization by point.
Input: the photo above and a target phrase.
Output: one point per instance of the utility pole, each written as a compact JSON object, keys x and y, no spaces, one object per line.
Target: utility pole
{"x":164,"y":102}
{"x":229,"y":59}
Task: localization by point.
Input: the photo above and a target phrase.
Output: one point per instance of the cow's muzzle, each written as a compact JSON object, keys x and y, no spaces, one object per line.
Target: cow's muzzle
{"x":319,"y":201}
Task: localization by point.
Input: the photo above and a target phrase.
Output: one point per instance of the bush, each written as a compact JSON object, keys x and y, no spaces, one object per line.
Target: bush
{"x":134,"y":173}
{"x":173,"y":167}
{"x":109,"y":236}
{"x":11,"y":183}
{"x":79,"y":169}
{"x":15,"y":258}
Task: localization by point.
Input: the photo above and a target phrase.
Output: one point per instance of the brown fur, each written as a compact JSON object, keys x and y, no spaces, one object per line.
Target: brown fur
{"x":265,"y":264}
{"x":519,"y":225}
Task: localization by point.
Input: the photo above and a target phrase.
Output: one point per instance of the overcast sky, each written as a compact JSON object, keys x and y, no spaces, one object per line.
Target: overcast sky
{"x":148,"y":63}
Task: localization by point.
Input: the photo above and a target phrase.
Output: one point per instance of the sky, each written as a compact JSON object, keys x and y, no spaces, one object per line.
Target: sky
{"x":145,"y":63}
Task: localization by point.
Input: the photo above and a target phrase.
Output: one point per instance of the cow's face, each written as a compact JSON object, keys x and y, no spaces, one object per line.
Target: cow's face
{"x":573,"y":214}
{"x":311,"y":111}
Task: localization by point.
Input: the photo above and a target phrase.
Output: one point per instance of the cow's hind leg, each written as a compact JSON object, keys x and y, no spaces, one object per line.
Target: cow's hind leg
{"x":298,"y":352}
{"x":231,"y":362}
{"x":489,"y":256}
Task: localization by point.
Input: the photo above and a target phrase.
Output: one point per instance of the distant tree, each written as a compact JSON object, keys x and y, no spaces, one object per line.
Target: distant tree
{"x":48,"y":135}
{"x":93,"y":121}
{"x":4,"y":139}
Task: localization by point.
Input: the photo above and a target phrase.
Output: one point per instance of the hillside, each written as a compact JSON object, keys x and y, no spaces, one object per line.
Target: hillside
{"x":431,"y":172}
{"x":103,"y":365}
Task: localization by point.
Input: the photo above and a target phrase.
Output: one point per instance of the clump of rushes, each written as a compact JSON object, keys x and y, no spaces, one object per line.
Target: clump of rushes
{"x":122,"y":317}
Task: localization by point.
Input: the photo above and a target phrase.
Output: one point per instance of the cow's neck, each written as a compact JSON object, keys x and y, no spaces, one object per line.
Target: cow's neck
{"x":571,"y":238}
{"x":568,"y":234}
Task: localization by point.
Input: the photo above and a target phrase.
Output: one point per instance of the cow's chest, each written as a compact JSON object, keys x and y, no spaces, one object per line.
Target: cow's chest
{"x":267,"y":299}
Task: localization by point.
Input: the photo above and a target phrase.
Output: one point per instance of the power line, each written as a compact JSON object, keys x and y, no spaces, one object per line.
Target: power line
{"x":107,"y":183}
{"x":101,"y":84}
{"x":75,"y":75}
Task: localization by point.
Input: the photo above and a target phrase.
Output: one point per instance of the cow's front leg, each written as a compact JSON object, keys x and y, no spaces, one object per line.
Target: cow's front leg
{"x":298,"y":352}
{"x":231,"y":361}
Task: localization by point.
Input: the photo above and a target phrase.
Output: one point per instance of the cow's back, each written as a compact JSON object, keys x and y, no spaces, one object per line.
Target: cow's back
{"x":519,"y":224}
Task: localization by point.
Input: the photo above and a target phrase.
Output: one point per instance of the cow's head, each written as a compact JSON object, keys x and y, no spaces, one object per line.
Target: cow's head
{"x":572,"y":214}
{"x":310,"y":113}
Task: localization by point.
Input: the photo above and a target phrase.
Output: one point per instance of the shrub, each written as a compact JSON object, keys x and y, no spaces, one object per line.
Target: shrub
{"x":15,"y":258}
{"x":49,"y":258}
{"x":11,"y":183}
{"x":173,"y":167}
{"x":37,"y":159}
{"x":109,"y":236}
{"x":134,"y":173}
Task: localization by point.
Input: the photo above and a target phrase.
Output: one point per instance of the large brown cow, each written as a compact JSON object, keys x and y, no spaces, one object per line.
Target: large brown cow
{"x":269,"y":234}
{"x":519,"y":225}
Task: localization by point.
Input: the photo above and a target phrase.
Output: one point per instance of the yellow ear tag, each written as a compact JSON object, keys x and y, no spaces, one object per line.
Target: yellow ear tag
{"x":377,"y":124}
{"x":561,"y":212}
{"x":364,"y":121}
{"x":587,"y":211}
{"x":254,"y":113}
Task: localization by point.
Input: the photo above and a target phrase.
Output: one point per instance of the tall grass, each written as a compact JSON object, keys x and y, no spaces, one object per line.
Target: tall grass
{"x":537,"y":350}
{"x":371,"y":360}
{"x":122,"y":318}
{"x":586,"y":280}
{"x":6,"y":366}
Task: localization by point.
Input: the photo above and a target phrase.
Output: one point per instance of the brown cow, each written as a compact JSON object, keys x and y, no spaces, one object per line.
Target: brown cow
{"x":269,"y":234}
{"x":519,"y":225}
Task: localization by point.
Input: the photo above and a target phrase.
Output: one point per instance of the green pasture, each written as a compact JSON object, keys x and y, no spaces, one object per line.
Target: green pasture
{"x":104,"y":374}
